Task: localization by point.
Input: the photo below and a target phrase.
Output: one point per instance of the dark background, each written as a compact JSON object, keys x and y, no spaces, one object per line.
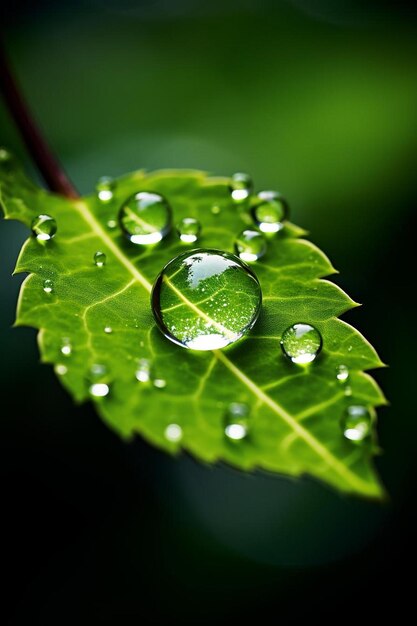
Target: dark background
{"x":315,"y":98}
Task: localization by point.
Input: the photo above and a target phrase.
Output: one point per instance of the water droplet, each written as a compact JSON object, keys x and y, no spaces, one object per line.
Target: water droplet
{"x":250,"y":245}
{"x":108,"y":330}
{"x":301,"y":343}
{"x":173,"y":432}
{"x":61,"y":369}
{"x":348,"y":390}
{"x":350,"y":348}
{"x":48,"y":285}
{"x":190,"y":294}
{"x":270,"y":211}
{"x":356,"y":423}
{"x":189,"y":229}
{"x":98,"y":381}
{"x":66,"y":347}
{"x":160,"y":383}
{"x":215,"y":209}
{"x":44,"y":227}
{"x":105,"y":187}
{"x":111,"y":224}
{"x":241,"y":186}
{"x":143,"y":370}
{"x":342,"y":373}
{"x":236,"y":421}
{"x":100,"y":259}
{"x":145,"y":218}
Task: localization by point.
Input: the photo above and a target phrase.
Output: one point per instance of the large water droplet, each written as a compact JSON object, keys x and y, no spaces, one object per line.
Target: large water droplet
{"x":356,"y":423}
{"x":173,"y":432}
{"x":250,"y":245}
{"x":44,"y":227}
{"x":206,"y":299}
{"x":143,"y":370}
{"x":270,"y":211}
{"x":236,"y":421}
{"x":105,"y":187}
{"x":98,"y":381}
{"x":342,"y":373}
{"x":48,"y":285}
{"x":189,"y":229}
{"x":241,"y":186}
{"x":145,"y":218}
{"x":100,"y":259}
{"x":301,"y":343}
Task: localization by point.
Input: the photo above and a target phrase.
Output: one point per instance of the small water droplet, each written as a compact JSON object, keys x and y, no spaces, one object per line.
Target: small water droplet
{"x":301,"y":343}
{"x":189,"y":229}
{"x":99,"y":259}
{"x":356,"y":423}
{"x":98,"y":381}
{"x":143,"y":370}
{"x":48,"y":285}
{"x":342,"y":373}
{"x":108,"y":330}
{"x":66,"y":347}
{"x":207,"y":279}
{"x":160,"y":383}
{"x":250,"y":245}
{"x":61,"y":369}
{"x":145,"y":218}
{"x":270,"y":211}
{"x":44,"y":227}
{"x":350,"y":348}
{"x":215,"y":209}
{"x":173,"y":432}
{"x":105,"y":187}
{"x":111,"y":224}
{"x":241,"y":186}
{"x":348,"y":390}
{"x":236,"y":421}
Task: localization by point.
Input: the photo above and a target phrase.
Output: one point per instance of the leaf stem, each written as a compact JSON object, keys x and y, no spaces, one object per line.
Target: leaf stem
{"x":48,"y":165}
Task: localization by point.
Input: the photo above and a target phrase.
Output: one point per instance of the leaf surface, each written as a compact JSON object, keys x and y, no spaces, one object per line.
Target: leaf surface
{"x":295,"y":412}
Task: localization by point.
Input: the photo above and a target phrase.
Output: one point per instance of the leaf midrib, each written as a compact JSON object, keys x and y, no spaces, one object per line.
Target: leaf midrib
{"x":344,"y":472}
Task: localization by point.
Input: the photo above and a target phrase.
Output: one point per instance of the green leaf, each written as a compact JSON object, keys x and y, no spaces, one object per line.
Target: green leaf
{"x":295,"y":412}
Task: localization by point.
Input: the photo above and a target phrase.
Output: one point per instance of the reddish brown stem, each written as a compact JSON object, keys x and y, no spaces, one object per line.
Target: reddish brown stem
{"x":48,"y":165}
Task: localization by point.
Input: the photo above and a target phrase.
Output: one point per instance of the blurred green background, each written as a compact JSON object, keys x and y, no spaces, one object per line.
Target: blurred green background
{"x":317,"y":99}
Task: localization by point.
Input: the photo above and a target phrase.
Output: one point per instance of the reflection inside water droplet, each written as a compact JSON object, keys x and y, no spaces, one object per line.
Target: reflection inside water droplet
{"x":145,"y":218}
{"x":44,"y":227}
{"x":206,"y":299}
{"x":301,"y":343}
{"x":270,"y":211}
{"x":250,"y":245}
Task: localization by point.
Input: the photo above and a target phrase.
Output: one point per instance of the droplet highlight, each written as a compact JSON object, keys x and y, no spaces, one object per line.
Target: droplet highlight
{"x":250,"y":245}
{"x":98,"y":381}
{"x":270,"y":211}
{"x":145,"y":218}
{"x":48,"y":285}
{"x":108,"y":330}
{"x":189,"y":229}
{"x":236,"y":421}
{"x":241,"y":186}
{"x":105,"y":187}
{"x":99,"y":259}
{"x":357,"y":423}
{"x":61,"y":369}
{"x":206,"y":299}
{"x":173,"y":432}
{"x":44,"y":227}
{"x":301,"y":343}
{"x":160,"y":383}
